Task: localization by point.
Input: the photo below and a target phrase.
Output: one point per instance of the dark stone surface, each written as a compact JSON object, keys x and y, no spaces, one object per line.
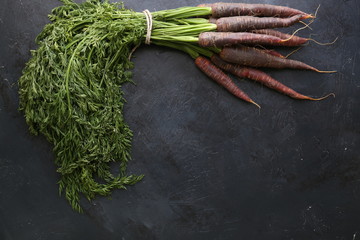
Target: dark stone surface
{"x":216,"y":167}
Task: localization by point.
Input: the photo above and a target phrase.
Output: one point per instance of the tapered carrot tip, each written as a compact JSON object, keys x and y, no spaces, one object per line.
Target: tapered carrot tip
{"x":321,"y":98}
{"x":307,"y":16}
{"x":319,"y":71}
{"x":251,"y":101}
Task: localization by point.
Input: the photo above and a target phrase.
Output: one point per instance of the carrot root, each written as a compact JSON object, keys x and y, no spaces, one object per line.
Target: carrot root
{"x":253,"y":57}
{"x":319,"y":99}
{"x":222,"y":39}
{"x":216,"y":74}
{"x":221,"y":9}
{"x":263,"y":78}
{"x":245,"y":23}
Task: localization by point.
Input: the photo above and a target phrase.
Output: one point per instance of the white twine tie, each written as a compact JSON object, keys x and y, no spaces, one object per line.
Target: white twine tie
{"x":148,"y":17}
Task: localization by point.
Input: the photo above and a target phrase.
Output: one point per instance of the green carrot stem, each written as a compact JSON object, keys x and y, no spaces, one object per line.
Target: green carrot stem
{"x":176,"y":38}
{"x":181,"y":47}
{"x":177,"y":13}
{"x":183,"y":12}
{"x":189,"y":21}
{"x":193,"y":50}
{"x":179,"y":30}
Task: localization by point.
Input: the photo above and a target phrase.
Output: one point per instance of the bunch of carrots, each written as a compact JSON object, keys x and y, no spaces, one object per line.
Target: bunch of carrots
{"x":70,"y":90}
{"x":238,"y":45}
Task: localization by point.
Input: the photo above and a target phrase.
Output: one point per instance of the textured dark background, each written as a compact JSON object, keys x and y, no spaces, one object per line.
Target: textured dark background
{"x":216,"y":167}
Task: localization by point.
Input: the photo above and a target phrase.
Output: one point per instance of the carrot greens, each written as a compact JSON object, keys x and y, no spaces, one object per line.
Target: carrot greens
{"x":70,"y":90}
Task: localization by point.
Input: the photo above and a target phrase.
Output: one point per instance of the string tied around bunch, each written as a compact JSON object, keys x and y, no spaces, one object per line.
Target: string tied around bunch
{"x":149,"y":23}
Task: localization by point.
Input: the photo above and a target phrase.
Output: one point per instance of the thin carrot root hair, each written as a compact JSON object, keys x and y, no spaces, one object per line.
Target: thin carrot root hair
{"x":320,"y":71}
{"x":251,"y":101}
{"x":313,"y":18}
{"x":323,"y":44}
{"x":292,"y":52}
{"x":307,"y":25}
{"x":315,"y":14}
{"x":321,"y":98}
{"x":317,"y":10}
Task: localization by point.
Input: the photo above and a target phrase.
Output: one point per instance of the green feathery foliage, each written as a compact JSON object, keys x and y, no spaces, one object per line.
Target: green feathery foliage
{"x":70,"y":90}
{"x":71,"y":93}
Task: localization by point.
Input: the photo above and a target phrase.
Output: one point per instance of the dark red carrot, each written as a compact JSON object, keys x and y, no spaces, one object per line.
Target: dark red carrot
{"x":291,"y":40}
{"x":222,"y":39}
{"x":273,"y":52}
{"x":246,"y":23}
{"x":249,"y":56}
{"x":206,"y":66}
{"x":244,"y":9}
{"x":261,"y":77}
